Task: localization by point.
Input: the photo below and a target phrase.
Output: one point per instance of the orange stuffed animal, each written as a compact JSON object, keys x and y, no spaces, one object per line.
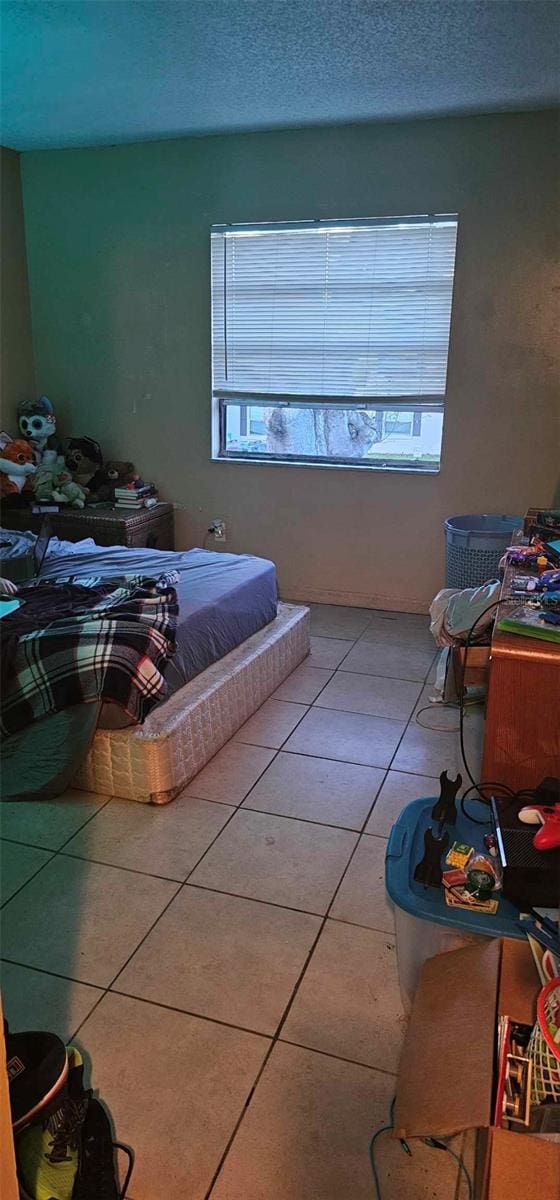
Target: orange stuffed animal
{"x":17,"y":465}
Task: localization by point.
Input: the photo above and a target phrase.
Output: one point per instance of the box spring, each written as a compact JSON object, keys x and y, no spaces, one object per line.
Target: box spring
{"x":153,"y":762}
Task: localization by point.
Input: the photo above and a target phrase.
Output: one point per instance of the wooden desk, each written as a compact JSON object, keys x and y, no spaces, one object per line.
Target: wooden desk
{"x":522,"y":735}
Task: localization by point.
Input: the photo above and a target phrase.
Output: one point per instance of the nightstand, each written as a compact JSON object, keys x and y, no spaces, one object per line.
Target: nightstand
{"x":106,"y":524}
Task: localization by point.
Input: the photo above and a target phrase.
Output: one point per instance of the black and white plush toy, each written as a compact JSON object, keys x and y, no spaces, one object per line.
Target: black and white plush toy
{"x":37,"y":423}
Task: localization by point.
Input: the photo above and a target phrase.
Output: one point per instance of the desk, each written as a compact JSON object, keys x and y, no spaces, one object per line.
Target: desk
{"x":522,"y":734}
{"x":105,"y":523}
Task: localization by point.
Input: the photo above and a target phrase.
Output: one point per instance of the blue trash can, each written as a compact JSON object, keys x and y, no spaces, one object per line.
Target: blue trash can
{"x":425,"y":924}
{"x":474,"y":545}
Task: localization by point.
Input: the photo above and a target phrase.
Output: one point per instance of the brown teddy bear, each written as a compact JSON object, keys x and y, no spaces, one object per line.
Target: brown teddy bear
{"x":112,"y":475}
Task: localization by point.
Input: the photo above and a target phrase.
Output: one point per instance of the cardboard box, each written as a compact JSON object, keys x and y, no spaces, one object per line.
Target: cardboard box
{"x":446,"y":1073}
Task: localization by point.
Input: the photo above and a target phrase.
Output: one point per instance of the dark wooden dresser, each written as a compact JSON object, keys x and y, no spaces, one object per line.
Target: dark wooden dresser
{"x":106,"y":524}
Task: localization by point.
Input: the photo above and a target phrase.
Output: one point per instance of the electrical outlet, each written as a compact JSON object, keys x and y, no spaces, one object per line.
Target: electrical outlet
{"x":219,"y":531}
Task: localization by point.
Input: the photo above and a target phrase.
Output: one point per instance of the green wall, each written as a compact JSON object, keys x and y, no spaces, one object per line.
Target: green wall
{"x":118,"y":243}
{"x":17,"y":380}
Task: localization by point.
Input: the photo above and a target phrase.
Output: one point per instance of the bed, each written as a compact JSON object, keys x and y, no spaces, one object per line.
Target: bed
{"x":235,"y":645}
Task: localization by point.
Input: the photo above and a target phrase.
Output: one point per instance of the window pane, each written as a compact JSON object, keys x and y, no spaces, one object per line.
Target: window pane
{"x":344,"y":435}
{"x":398,"y":422}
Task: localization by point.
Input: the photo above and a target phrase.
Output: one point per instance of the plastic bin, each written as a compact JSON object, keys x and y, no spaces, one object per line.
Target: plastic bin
{"x":425,"y":925}
{"x":474,"y":545}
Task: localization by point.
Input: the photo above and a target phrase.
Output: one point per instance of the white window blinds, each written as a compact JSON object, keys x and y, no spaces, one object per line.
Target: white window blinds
{"x":333,"y":309}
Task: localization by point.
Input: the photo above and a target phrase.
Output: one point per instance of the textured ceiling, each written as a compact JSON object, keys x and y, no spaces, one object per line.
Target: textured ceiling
{"x":104,"y":71}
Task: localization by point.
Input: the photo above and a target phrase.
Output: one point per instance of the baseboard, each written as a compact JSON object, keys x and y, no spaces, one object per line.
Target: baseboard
{"x":357,"y":600}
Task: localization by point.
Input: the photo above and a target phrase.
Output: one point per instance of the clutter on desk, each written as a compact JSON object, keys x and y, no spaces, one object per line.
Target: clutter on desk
{"x":532,"y":557}
{"x":532,"y":621}
{"x":538,"y":586}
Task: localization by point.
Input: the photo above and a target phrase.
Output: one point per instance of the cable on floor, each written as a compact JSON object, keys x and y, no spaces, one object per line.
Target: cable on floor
{"x":437,"y":728}
{"x":433,"y":1143}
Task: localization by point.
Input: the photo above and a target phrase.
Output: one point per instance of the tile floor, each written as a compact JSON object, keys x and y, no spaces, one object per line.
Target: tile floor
{"x":227,"y":963}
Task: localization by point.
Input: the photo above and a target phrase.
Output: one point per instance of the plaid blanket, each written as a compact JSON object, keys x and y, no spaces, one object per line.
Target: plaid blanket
{"x":114,"y":651}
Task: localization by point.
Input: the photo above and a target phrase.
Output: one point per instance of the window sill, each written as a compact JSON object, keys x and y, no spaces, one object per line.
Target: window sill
{"x":388,"y":468}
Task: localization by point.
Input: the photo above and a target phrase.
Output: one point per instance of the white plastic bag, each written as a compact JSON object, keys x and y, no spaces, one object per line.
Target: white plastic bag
{"x":453,"y":612}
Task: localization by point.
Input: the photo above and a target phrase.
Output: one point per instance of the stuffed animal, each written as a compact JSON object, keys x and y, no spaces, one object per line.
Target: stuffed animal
{"x":54,"y":482}
{"x":17,"y":466}
{"x":112,"y":475}
{"x":68,"y":491}
{"x":46,"y":477}
{"x":37,"y":422}
{"x":83,"y":458}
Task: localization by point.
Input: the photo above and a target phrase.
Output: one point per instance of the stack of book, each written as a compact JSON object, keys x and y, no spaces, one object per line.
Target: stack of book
{"x":135,"y":498}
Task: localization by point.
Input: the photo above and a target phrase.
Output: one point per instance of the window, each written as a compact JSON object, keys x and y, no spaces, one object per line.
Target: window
{"x":330,"y":341}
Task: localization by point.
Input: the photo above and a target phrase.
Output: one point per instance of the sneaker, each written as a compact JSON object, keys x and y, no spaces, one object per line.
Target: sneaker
{"x":96,"y":1178}
{"x":47,"y":1153}
{"x":37,"y":1066}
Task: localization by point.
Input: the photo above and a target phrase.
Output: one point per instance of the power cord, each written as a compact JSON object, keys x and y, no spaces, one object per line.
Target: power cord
{"x":438,"y":1144}
{"x":372,"y":1141}
{"x":436,"y":728}
{"x":434,"y":1143}
{"x":130,"y":1156}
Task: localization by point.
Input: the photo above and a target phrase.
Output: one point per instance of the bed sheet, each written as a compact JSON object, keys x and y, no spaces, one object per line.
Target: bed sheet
{"x":223,"y":598}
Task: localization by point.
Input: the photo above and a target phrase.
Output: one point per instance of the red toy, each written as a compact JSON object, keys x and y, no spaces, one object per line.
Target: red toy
{"x":17,"y":465}
{"x":548,"y":817}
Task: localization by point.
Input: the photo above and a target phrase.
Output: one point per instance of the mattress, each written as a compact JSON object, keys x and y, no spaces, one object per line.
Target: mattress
{"x":223,"y":599}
